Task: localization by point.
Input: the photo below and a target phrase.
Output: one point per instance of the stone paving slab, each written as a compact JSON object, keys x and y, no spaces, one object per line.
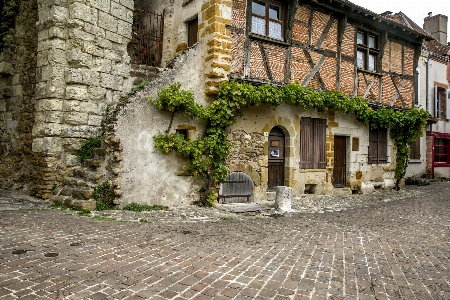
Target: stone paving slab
{"x":397,"y":247}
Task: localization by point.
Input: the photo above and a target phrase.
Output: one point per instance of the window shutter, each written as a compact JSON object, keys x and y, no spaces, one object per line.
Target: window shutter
{"x":382,"y":145}
{"x":448,"y":105}
{"x":192,"y":32}
{"x":306,"y":145}
{"x":436,"y":104}
{"x":414,"y":152}
{"x":373,"y":146}
{"x":320,"y":126}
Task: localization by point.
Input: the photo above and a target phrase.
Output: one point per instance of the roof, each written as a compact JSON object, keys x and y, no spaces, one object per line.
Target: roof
{"x":437,"y":48}
{"x":403,"y":19}
{"x":398,"y":20}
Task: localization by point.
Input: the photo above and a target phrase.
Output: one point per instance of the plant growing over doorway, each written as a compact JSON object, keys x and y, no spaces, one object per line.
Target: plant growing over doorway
{"x":207,"y":154}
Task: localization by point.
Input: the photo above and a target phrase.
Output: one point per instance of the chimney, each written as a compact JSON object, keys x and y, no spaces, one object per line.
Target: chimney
{"x":436,"y":26}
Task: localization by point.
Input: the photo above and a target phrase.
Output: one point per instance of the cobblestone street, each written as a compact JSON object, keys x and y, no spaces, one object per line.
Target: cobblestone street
{"x":390,"y":247}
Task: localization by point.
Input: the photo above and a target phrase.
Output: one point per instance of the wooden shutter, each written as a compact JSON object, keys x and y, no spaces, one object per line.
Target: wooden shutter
{"x":447,"y":115}
{"x":382,"y":145}
{"x":306,"y":144}
{"x":378,"y":146}
{"x":192,"y":32}
{"x":414,"y":152}
{"x":373,"y":146}
{"x":436,"y":102}
{"x":320,"y":126}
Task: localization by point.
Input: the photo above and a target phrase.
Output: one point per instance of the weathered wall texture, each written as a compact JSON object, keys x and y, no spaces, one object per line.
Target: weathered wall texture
{"x":17,"y":83}
{"x":148,"y":176}
{"x":82,"y":67}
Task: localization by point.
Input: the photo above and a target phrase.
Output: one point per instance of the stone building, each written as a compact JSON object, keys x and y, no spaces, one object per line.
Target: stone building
{"x":68,"y":63}
{"x":429,"y":155}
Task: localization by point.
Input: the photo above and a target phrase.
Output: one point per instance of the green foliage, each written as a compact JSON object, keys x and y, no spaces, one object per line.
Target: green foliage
{"x":84,"y":212}
{"x":139,"y":87}
{"x":87,"y":149}
{"x":207,"y":154}
{"x":143,"y":207}
{"x":104,"y":196}
{"x":143,"y":221}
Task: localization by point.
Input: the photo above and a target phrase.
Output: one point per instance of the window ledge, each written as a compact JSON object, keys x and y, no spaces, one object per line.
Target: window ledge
{"x":415,"y":160}
{"x":268,"y":39}
{"x":441,"y":165}
{"x":370,"y":72}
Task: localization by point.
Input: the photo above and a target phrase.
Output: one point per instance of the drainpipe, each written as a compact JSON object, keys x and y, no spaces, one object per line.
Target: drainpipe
{"x":427,"y":84}
{"x":432,"y":151}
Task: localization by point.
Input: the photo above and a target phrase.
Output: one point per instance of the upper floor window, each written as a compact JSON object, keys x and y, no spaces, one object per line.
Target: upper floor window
{"x":267,"y":18}
{"x":192,"y":32}
{"x":367,"y":51}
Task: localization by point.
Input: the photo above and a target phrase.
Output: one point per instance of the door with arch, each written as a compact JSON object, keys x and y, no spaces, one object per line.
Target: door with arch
{"x":276,"y":158}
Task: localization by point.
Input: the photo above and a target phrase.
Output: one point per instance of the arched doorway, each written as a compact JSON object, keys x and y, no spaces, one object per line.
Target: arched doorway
{"x":276,"y":158}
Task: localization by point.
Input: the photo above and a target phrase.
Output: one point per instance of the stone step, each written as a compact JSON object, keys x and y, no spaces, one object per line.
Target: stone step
{"x":77,"y":204}
{"x":87,"y":174}
{"x":100,"y":152}
{"x":93,"y":162}
{"x":74,"y":182}
{"x":342,"y":191}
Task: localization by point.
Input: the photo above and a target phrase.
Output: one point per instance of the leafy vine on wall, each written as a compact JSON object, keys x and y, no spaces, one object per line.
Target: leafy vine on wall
{"x":208,"y":153}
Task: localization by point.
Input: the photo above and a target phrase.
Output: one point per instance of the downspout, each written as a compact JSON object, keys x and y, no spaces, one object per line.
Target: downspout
{"x":427,"y":97}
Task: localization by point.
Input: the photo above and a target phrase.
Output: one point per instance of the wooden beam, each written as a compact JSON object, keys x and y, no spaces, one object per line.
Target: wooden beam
{"x":314,"y":70}
{"x":324,"y":33}
{"x":247,"y":43}
{"x":342,"y":24}
{"x":265,"y":60}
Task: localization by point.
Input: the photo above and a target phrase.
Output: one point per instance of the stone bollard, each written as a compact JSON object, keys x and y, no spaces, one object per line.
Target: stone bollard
{"x":284,"y":198}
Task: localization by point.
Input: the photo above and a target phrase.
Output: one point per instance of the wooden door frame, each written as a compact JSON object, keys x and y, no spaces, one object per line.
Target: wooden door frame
{"x":283,"y":155}
{"x":345,"y":162}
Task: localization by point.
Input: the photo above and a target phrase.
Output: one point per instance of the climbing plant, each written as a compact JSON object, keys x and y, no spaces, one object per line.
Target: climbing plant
{"x":207,"y":154}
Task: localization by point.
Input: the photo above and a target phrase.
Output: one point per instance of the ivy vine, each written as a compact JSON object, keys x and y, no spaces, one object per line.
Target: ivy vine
{"x":208,"y":153}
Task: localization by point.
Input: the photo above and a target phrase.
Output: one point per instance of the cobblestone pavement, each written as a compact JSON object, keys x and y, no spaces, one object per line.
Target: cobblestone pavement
{"x":389,"y":245}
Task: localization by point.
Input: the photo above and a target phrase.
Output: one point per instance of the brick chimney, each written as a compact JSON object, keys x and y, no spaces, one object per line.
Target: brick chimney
{"x":437,"y":27}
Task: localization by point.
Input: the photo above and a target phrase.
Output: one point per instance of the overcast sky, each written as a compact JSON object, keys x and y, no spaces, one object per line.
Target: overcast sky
{"x":416,"y":10}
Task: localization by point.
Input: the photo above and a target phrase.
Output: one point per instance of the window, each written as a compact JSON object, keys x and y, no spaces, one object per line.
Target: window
{"x":367,"y":51}
{"x":267,"y":18}
{"x":414,"y":151}
{"x":378,"y":146}
{"x":441,"y":150}
{"x":441,"y":102}
{"x":183,"y":132}
{"x":312,"y":143}
{"x":192,"y":32}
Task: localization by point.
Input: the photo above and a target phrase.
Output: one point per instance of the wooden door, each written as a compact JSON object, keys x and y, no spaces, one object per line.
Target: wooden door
{"x":276,"y":158}
{"x":340,"y":153}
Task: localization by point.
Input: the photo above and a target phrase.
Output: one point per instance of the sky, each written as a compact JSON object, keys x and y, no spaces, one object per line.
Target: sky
{"x":416,"y":10}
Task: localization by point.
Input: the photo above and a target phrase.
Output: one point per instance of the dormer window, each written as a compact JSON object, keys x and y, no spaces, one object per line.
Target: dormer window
{"x":367,"y":51}
{"x":267,"y":19}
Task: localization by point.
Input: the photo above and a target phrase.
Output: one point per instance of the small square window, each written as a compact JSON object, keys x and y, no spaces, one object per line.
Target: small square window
{"x":267,"y":19}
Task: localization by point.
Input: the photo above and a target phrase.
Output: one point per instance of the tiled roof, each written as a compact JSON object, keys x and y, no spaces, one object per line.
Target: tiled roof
{"x":399,"y":19}
{"x":437,"y":48}
{"x":404,"y":20}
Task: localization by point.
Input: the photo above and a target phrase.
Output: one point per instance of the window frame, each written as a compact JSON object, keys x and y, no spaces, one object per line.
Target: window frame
{"x":377,"y":145}
{"x":267,"y":18}
{"x":192,"y":32}
{"x":367,"y":50}
{"x":313,"y":143}
{"x":445,"y":146}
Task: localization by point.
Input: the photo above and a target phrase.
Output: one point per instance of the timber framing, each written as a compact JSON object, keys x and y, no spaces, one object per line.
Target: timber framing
{"x":319,"y":50}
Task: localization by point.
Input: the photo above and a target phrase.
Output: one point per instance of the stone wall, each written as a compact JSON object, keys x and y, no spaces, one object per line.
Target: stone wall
{"x":17,"y":82}
{"x":82,"y":67}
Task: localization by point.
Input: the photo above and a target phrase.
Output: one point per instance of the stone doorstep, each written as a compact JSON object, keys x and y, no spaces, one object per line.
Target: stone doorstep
{"x":77,"y":204}
{"x":243,"y":207}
